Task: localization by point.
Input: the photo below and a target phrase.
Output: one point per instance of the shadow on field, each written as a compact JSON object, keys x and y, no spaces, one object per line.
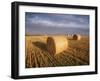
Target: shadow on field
{"x":70,"y":39}
{"x":40,"y":45}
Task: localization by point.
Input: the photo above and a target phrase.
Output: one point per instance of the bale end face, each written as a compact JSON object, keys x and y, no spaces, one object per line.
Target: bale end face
{"x":76,"y":37}
{"x":51,"y":45}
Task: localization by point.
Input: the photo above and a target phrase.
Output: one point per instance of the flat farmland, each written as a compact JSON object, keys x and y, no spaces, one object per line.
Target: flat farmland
{"x":37,"y":55}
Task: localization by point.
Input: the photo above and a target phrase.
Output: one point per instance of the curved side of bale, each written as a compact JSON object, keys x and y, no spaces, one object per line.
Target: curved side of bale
{"x":76,"y":37}
{"x":57,"y":44}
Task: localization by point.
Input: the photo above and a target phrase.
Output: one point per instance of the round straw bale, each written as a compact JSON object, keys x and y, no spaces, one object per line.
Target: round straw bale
{"x":76,"y":37}
{"x":57,"y":44}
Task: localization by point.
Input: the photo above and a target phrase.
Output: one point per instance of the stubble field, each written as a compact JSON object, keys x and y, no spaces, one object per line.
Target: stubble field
{"x":36,"y":54}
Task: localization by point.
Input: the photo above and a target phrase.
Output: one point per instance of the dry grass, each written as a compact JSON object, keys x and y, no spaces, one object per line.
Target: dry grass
{"x":37,"y":55}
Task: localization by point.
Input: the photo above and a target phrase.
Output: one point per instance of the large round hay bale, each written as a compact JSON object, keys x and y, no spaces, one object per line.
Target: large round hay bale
{"x":57,"y":44}
{"x":76,"y":37}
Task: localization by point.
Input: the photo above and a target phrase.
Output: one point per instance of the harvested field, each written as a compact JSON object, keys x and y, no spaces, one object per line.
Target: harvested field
{"x":37,"y":54}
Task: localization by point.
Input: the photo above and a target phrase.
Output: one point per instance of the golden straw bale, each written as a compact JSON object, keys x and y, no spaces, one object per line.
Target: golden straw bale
{"x":76,"y":37}
{"x":57,"y":44}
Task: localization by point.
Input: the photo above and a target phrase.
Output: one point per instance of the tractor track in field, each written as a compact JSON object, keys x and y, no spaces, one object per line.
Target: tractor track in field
{"x":75,"y":52}
{"x":76,"y":58}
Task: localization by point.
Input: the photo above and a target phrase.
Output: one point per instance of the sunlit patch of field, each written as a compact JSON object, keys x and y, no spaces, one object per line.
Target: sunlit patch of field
{"x":36,"y":54}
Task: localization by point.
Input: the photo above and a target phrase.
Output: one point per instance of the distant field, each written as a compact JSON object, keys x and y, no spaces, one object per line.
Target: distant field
{"x":36,"y":54}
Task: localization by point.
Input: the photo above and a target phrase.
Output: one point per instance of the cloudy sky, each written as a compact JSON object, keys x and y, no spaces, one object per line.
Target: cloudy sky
{"x":55,"y":23}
